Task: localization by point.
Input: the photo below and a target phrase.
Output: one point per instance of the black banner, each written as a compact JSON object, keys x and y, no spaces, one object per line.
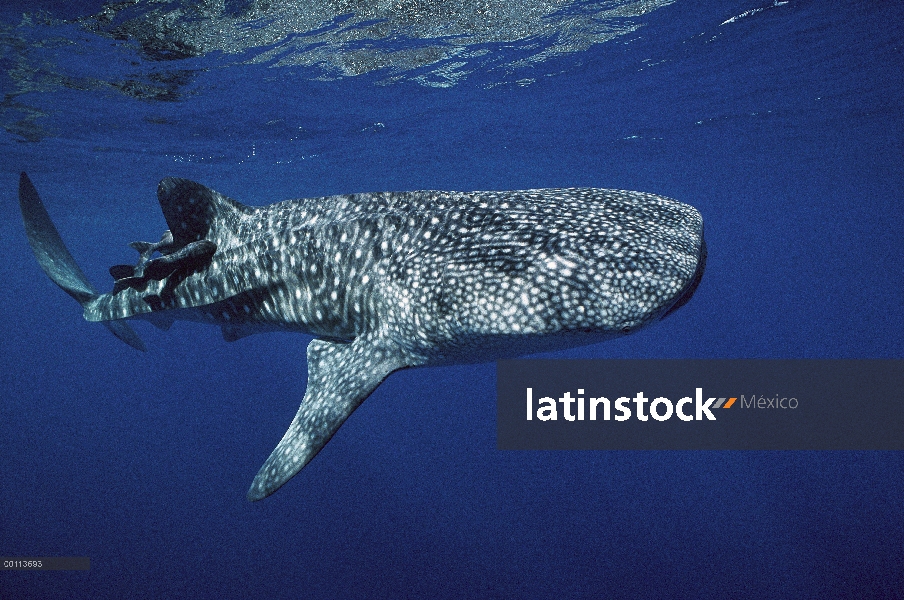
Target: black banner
{"x":45,"y":563}
{"x":700,"y":404}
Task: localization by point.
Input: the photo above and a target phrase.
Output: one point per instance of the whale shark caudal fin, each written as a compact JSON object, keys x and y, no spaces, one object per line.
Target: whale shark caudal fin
{"x":57,"y":262}
{"x":341,"y":376}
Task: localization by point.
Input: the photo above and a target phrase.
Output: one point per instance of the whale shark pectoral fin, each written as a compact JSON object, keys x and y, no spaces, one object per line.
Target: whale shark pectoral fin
{"x":340,"y":377}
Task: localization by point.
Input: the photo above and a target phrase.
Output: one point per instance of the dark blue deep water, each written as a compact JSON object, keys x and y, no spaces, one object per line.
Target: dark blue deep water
{"x":782,"y":122}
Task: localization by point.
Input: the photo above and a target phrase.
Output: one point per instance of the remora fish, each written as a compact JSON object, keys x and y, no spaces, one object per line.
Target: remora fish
{"x":393,"y":280}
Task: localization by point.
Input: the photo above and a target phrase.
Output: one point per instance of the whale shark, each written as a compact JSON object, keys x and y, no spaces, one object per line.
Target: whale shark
{"x":392,"y":280}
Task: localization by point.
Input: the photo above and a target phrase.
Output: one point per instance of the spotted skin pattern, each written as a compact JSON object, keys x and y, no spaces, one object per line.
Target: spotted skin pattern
{"x":403,"y":279}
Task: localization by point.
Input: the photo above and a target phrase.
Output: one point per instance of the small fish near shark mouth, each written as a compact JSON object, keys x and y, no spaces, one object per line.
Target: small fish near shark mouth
{"x":392,"y":280}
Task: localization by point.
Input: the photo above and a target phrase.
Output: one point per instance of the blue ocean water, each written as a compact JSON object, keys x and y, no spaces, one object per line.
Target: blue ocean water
{"x":782,"y":122}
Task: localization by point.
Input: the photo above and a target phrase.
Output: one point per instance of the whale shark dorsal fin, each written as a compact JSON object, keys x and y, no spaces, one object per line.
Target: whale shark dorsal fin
{"x":195,"y":212}
{"x":341,"y":376}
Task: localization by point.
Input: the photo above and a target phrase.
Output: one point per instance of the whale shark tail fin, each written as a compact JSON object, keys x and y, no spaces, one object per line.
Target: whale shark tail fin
{"x":55,"y":259}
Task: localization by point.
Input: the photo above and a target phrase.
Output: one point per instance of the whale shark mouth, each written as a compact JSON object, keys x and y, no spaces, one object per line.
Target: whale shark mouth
{"x":691,"y":287}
